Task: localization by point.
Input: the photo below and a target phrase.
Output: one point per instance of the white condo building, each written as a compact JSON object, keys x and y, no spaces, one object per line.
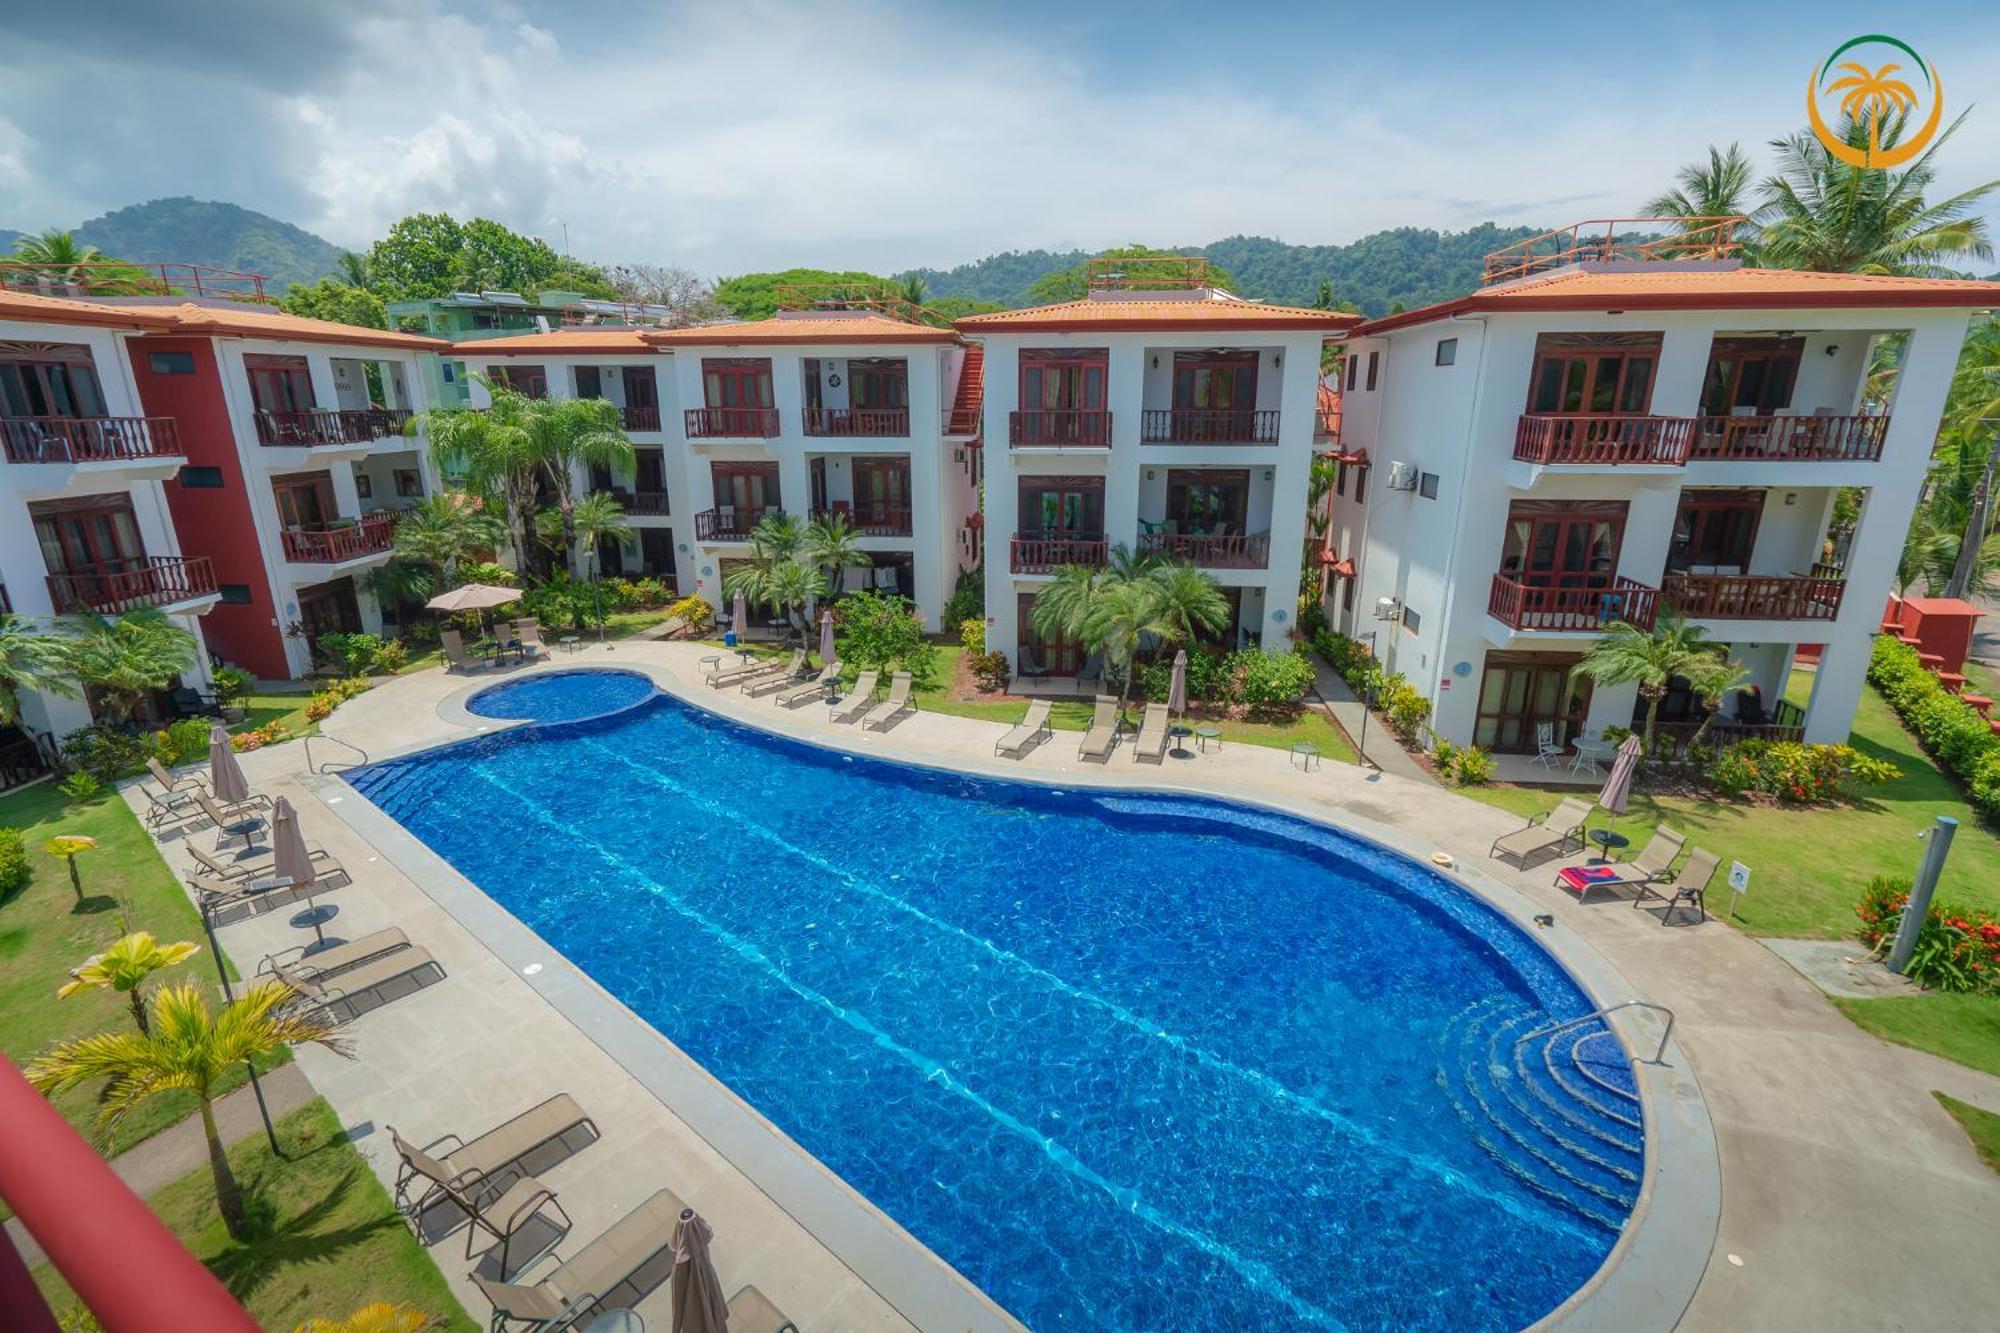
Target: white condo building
{"x":1600,"y":440}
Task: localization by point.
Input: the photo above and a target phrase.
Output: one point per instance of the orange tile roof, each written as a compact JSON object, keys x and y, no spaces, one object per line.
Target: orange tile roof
{"x":1115,"y":314}
{"x":807,"y":327}
{"x":248,"y":322}
{"x":560,"y":342}
{"x":27,"y":306}
{"x":1663,"y":287}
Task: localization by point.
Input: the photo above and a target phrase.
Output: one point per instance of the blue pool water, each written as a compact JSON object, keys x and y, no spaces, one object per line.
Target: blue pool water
{"x":562,"y":696}
{"x":1126,"y":1061}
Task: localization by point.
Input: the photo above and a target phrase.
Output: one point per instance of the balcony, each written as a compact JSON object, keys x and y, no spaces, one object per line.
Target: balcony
{"x":1031,"y":553}
{"x":307,"y":430}
{"x":646,"y":504}
{"x":1082,"y":429}
{"x":871,"y":520}
{"x":1241,"y":551}
{"x":732,"y":423}
{"x":1207,"y":426}
{"x":639,"y":418}
{"x":1852,"y":439}
{"x":729,"y":525}
{"x":1598,"y":439}
{"x":339,"y":542}
{"x":1753,"y":596}
{"x":144,"y":580}
{"x":1532,"y":608}
{"x":88,"y":439}
{"x":870,"y":421}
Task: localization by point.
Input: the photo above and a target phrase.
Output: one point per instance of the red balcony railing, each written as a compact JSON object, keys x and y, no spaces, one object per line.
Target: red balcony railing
{"x":872,"y":520}
{"x":141,"y":580}
{"x":1600,"y":438}
{"x":732,"y":423}
{"x":304,"y":430}
{"x":1753,"y":596}
{"x":1081,"y":429}
{"x":1242,"y":551}
{"x":640,"y":417}
{"x":1855,"y":439}
{"x":1585,"y":609}
{"x":1033,"y":553}
{"x":891,"y":421}
{"x":88,"y":439}
{"x":962,"y":420}
{"x":728,"y":525}
{"x":1207,"y":426}
{"x":332,"y":544}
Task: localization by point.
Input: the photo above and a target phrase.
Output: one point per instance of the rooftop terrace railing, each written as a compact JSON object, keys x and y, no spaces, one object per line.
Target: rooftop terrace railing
{"x":1599,"y":240}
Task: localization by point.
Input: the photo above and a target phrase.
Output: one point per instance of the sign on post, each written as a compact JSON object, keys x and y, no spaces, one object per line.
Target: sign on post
{"x":1739,"y":884}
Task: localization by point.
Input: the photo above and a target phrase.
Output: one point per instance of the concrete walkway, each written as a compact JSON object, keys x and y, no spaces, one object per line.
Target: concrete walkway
{"x":157,"y":1162}
{"x":1384,"y":751}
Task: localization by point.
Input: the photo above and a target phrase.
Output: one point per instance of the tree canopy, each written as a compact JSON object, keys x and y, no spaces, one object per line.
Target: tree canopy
{"x":755,"y":295}
{"x":340,"y":302}
{"x":433,"y":254}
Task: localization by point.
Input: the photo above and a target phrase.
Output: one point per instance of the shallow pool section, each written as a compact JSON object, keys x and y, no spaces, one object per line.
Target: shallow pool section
{"x":1126,"y":1061}
{"x":563,"y":696}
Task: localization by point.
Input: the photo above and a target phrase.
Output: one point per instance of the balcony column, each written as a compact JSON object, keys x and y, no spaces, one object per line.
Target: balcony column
{"x":157,"y":535}
{"x":346,"y":495}
{"x":1677,"y":381}
{"x":1003,"y":519}
{"x":1649,"y":530}
{"x":326,"y":393}
{"x":1298,"y":405}
{"x":930,"y":547}
{"x":1125,"y":395}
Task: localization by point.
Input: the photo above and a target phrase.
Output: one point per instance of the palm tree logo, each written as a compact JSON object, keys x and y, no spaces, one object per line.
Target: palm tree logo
{"x":1874,"y":105}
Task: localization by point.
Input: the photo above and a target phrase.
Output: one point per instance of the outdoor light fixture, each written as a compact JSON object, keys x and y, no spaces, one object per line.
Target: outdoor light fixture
{"x":1277,"y":359}
{"x":1156,"y":360}
{"x":1791,"y":497}
{"x":1832,"y":348}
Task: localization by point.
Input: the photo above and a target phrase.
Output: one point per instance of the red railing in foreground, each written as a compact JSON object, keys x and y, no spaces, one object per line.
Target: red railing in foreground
{"x":1601,"y":438}
{"x":732,"y":423}
{"x":1753,"y":596}
{"x":1852,"y":439}
{"x":1087,"y":428}
{"x":143,"y":580}
{"x":1182,"y":425}
{"x":1597,"y":240}
{"x":88,"y":439}
{"x":1585,"y":609}
{"x":376,"y":532}
{"x":1031,"y":554}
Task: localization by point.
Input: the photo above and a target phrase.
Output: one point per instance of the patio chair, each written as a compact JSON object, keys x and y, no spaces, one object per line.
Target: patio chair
{"x":456,"y":658}
{"x":731,"y":675}
{"x":751,"y":1311}
{"x":224,"y":903}
{"x":1554,"y":832}
{"x":1687,"y":889}
{"x":1547,"y":753}
{"x":237,"y":819}
{"x":891,"y":708}
{"x":539,"y":1138}
{"x":1102,"y":736}
{"x":858,"y":699}
{"x":175,"y":797}
{"x":817,"y":687}
{"x":324,"y":866}
{"x":1033,"y":727}
{"x":372,"y":985}
{"x":777,"y":678}
{"x":615,"y":1271}
{"x":1654,"y":863}
{"x":294,"y":965}
{"x":170,"y":784}
{"x":528,"y":634}
{"x":1154,"y":733}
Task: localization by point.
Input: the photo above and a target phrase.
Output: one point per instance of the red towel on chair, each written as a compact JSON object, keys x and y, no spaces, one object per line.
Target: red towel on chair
{"x":1580,"y":879}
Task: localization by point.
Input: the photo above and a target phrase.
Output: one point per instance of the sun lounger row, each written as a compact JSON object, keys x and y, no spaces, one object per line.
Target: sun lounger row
{"x":1652,"y":875}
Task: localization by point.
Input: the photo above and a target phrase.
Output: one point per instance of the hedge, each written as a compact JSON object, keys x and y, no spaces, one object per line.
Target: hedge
{"x":1951,"y":730}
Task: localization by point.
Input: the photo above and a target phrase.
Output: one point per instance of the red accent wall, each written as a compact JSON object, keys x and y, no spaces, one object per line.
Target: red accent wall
{"x":215,"y":523}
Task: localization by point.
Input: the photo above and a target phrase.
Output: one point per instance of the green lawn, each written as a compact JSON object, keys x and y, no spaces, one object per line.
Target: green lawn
{"x":1982,"y":1127}
{"x":290,"y":709}
{"x":1964,"y":1028}
{"x":326,"y":1238}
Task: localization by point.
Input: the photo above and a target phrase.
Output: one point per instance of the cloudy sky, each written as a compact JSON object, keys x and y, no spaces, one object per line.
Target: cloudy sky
{"x":883,"y":135}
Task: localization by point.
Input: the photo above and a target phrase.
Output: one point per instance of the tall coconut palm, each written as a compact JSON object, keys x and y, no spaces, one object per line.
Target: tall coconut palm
{"x":1188,"y":601}
{"x":187,"y":1047}
{"x":1712,"y":676}
{"x":792,"y":587}
{"x":493,"y":454}
{"x":123,"y":966}
{"x":1120,"y":619}
{"x":1629,"y":655}
{"x":60,"y":254}
{"x":571,"y":433}
{"x":596,"y":518}
{"x":29,"y":660}
{"x":832,"y":544}
{"x":1974,"y":405}
{"x":446,"y":530}
{"x":1716,"y":188}
{"x":1821,"y":213}
{"x":128,"y":658}
{"x":1064,"y":604}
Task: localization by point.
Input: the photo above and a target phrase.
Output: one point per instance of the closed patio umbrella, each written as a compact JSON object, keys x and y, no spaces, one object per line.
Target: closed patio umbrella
{"x":1177,"y":690}
{"x":225,"y":775}
{"x":697,"y":1304}
{"x":739,"y":615}
{"x":288,"y":844}
{"x":828,"y":653}
{"x":1618,"y":787}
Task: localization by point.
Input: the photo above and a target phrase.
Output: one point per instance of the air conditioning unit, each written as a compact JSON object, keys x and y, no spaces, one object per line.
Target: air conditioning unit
{"x":1388,"y":608}
{"x":1402,"y":476}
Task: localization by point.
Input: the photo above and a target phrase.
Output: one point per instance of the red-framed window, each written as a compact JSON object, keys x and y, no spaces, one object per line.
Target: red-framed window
{"x":91,"y":535}
{"x":736,"y":381}
{"x":528,"y":381}
{"x":1593,"y":374}
{"x":745,"y":486}
{"x":1062,"y":506}
{"x":1064,"y":381}
{"x":1562,"y":543}
{"x":880,"y":382}
{"x":642,"y":387}
{"x":1714,"y":531}
{"x":1750,"y":376}
{"x":1215,"y":380}
{"x":279,"y":383}
{"x":881,"y":484}
{"x":305,"y":501}
{"x":49,"y":380}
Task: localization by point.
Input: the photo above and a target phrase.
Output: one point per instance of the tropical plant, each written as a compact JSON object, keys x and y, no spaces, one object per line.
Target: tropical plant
{"x":56,"y":248}
{"x":14,"y":870}
{"x":832,"y":544}
{"x":775,"y":574}
{"x":446,"y":531}
{"x":231,"y":683}
{"x":104,"y":753}
{"x":567,"y":433}
{"x":29,"y":660}
{"x":694,"y":613}
{"x":790,"y":589}
{"x":1711,"y":676}
{"x":1628,"y":655}
{"x":1120,"y":619}
{"x":1713,"y":189}
{"x":1064,"y":604}
{"x":879,"y":630}
{"x":122,"y":967}
{"x":67,"y":847}
{"x":126,"y":659}
{"x":493,"y":454}
{"x":1187,"y":600}
{"x":186,"y":1047}
{"x":595,"y":518}
{"x":376,"y":1317}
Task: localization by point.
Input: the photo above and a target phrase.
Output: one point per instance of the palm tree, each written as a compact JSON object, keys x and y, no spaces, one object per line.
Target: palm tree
{"x":29,"y":660}
{"x":1630,"y":655}
{"x":1821,"y":213}
{"x":128,"y":658}
{"x":375,"y":1317}
{"x":186,"y":1048}
{"x":568,"y":433}
{"x":1120,"y":618}
{"x":833,"y":545}
{"x":1715,"y":189}
{"x":1187,"y":600}
{"x":354,"y":269}
{"x":58,"y":252}
{"x":493,"y":454}
{"x":596,"y":518}
{"x":1712,"y":676}
{"x":913,"y":290}
{"x":1063,"y":606}
{"x":791,"y":588}
{"x":123,"y":966}
{"x":1974,"y":404}
{"x":444,"y":530}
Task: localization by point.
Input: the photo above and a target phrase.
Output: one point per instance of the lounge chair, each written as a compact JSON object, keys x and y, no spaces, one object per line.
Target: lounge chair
{"x":1559,"y":831}
{"x":858,"y":699}
{"x":777,"y":677}
{"x":891,"y":708}
{"x":528,"y":634}
{"x":822,"y":684}
{"x":1102,"y":736}
{"x":1033,"y":727}
{"x":1654,"y":863}
{"x":455,"y":656}
{"x":730,"y":675}
{"x":224,"y":902}
{"x":324,"y":866}
{"x":171,"y":784}
{"x":175,"y":798}
{"x":1155,"y":730}
{"x":370,"y":986}
{"x":533,"y":1141}
{"x":238,"y":819}
{"x":1687,"y":889}
{"x":295,"y":965}
{"x":615,"y":1271}
{"x":751,"y":1311}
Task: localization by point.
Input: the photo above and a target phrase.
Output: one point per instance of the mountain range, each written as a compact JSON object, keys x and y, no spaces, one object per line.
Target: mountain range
{"x":215,"y":235}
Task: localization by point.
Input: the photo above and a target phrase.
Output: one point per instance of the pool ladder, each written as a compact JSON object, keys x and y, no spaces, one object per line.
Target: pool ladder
{"x":1568,"y":1023}
{"x":328,"y":766}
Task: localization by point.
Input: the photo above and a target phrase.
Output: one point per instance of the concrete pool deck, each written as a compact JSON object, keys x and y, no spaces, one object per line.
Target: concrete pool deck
{"x":1846,"y":1193}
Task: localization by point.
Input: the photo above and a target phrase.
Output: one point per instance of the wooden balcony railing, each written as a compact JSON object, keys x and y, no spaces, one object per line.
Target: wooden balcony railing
{"x":1601,"y":438}
{"x":640,"y":418}
{"x":1585,"y":609}
{"x":872,"y":520}
{"x":303,"y":430}
{"x":1036,"y":553}
{"x":647,"y":503}
{"x":1753,"y":596}
{"x":337,"y":542}
{"x":1240,"y":551}
{"x":872,"y":421}
{"x":142,"y":580}
{"x":732,"y":423}
{"x":728,"y":525}
{"x":88,"y":439}
{"x":1207,"y":426}
{"x":1855,"y":439}
{"x":1083,"y":429}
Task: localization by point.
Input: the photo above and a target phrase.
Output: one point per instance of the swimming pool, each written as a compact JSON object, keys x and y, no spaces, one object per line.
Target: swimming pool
{"x":1127,"y":1061}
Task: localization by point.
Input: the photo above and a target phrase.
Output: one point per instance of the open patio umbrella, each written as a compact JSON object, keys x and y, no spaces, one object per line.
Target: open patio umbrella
{"x":474,"y":597}
{"x":288,"y":844}
{"x":1177,"y":689}
{"x":1618,"y":787}
{"x":828,"y":653}
{"x":225,"y":775}
{"x":697,"y":1304}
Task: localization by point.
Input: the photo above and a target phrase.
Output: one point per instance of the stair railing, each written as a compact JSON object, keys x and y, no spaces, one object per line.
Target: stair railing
{"x":1659,"y":1056}
{"x":328,"y":766}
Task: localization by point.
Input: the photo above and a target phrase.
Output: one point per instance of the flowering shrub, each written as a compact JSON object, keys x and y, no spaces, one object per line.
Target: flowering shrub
{"x":181,"y":742}
{"x":1406,"y":709}
{"x":1950,"y":729}
{"x":1796,"y":773}
{"x":391,"y":656}
{"x":271,"y":733}
{"x":694,"y":613}
{"x":972,"y":636}
{"x":989,"y":669}
{"x":1958,"y":949}
{"x":639,"y":594}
